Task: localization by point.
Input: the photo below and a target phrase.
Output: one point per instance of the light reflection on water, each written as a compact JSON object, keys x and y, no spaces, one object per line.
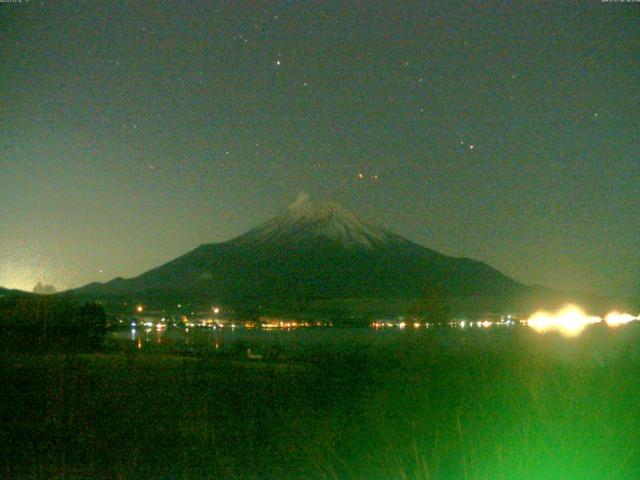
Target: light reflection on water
{"x":309,"y":343}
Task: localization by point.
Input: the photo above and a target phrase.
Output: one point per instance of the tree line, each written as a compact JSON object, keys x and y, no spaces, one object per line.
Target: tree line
{"x":38,"y":323}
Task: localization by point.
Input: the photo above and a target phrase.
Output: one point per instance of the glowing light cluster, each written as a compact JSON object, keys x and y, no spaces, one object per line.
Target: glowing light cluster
{"x":615,"y":319}
{"x":570,"y":321}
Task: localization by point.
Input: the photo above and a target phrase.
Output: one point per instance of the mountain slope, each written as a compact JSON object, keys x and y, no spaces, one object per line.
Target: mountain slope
{"x":10,"y":293}
{"x":311,"y":252}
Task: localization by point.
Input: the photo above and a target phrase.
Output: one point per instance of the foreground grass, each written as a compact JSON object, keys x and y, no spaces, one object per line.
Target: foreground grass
{"x":526,"y":408}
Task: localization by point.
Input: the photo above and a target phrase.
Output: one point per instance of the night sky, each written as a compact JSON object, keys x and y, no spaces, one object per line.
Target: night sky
{"x":133,"y":131}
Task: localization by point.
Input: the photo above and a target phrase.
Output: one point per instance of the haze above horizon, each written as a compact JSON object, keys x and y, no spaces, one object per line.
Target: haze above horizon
{"x":134,"y":132}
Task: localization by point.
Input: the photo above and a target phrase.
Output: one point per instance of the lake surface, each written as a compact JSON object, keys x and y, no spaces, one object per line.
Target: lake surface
{"x":598,"y":342}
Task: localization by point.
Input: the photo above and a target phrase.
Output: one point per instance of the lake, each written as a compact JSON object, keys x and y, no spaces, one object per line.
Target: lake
{"x":597,"y":342}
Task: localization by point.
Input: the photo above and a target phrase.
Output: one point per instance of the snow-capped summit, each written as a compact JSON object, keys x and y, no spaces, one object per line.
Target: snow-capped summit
{"x":304,"y":220}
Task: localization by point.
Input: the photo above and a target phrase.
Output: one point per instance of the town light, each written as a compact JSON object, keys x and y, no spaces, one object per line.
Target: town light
{"x":615,"y":319}
{"x":569,"y":321}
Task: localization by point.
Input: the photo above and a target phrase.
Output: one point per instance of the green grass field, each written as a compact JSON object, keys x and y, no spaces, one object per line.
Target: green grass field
{"x":530,"y":407}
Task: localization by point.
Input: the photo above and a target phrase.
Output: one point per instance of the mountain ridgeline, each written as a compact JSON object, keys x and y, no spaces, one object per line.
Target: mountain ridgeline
{"x":311,"y":252}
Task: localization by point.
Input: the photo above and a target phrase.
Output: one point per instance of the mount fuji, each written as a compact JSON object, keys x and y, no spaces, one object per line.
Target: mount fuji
{"x":312,"y":251}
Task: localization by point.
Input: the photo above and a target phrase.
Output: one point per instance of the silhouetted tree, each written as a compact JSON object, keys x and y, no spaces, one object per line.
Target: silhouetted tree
{"x":44,"y":289}
{"x":43,"y":324}
{"x":92,"y":324}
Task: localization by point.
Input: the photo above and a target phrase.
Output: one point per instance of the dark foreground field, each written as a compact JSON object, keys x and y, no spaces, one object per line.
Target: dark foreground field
{"x":448,"y":405}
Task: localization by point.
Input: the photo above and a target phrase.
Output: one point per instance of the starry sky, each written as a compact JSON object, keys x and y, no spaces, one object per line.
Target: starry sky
{"x":505,"y":131}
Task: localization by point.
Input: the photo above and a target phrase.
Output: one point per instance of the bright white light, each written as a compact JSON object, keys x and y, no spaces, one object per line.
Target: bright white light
{"x":615,"y":319}
{"x":569,"y":321}
{"x":462,"y":323}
